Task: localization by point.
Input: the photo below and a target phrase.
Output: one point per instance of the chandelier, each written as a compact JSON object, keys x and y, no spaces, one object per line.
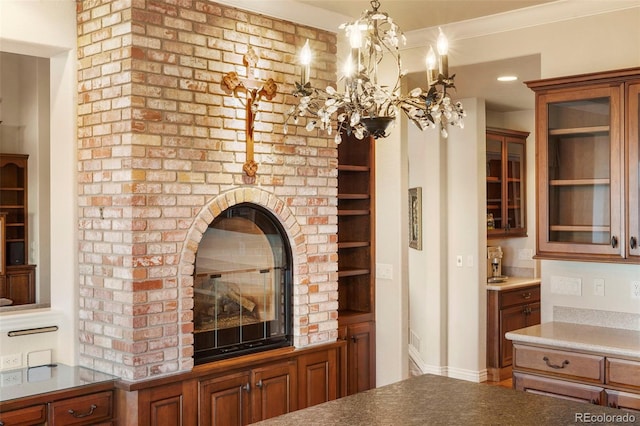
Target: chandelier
{"x":365,"y":107}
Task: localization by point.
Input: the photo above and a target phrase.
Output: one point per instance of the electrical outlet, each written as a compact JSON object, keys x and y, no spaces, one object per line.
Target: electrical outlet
{"x":635,"y":289}
{"x":11,"y":362}
{"x":569,"y":286}
{"x":11,"y":378}
{"x":598,"y":287}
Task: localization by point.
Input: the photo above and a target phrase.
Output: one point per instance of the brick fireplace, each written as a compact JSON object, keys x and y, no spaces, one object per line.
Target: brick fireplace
{"x":160,"y":154}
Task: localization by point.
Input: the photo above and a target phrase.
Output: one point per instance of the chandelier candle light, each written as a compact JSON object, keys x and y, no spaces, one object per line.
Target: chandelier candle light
{"x":366,"y":108}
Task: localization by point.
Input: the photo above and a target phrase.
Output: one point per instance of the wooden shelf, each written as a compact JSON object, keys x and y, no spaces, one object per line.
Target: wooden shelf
{"x":353,"y":272}
{"x":352,"y":168}
{"x":353,"y":212}
{"x":353,"y":244}
{"x":579,"y":182}
{"x":353,"y":196}
{"x":579,"y":228}
{"x":579,"y":130}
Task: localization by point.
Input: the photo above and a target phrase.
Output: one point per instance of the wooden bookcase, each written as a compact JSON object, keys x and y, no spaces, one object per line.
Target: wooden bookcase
{"x":18,"y":281}
{"x":356,"y":259}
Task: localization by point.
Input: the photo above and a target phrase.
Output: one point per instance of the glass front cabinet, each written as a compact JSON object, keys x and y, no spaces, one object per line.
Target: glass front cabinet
{"x":587,"y":167}
{"x":506,"y":174}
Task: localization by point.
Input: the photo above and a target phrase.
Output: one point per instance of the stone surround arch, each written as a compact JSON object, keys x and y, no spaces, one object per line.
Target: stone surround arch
{"x":297,"y":241}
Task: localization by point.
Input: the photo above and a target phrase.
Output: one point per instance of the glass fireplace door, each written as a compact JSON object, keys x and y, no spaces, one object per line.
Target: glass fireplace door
{"x":242,"y":296}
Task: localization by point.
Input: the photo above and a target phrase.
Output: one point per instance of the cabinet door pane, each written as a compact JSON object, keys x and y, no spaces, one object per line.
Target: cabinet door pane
{"x":634,"y":169}
{"x":494,"y":183}
{"x":579,"y":156}
{"x":515,"y":191}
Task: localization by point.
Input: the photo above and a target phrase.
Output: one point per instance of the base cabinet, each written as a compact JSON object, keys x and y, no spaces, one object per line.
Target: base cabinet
{"x":508,"y":310}
{"x":19,"y":284}
{"x":361,"y":367}
{"x":248,"y":396}
{"x":587,"y":377}
{"x":238,"y":391}
{"x":81,"y":407}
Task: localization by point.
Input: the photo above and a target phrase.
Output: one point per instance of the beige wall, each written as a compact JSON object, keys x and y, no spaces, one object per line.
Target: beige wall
{"x":566,"y":47}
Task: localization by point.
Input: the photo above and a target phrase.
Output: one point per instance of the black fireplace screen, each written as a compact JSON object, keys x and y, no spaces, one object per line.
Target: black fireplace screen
{"x":242,"y":286}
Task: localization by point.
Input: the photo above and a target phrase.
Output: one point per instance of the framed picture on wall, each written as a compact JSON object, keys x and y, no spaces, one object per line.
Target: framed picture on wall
{"x":415,"y":218}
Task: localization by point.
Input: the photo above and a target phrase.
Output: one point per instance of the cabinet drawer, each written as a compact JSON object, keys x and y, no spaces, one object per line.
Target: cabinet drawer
{"x":34,"y":415}
{"x":519,"y":296}
{"x":560,"y":363}
{"x":83,"y":410}
{"x":624,"y":400}
{"x":558,"y":388}
{"x":622,"y":372}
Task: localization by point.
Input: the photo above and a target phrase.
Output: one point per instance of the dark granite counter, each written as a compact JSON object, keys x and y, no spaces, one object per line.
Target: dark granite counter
{"x":436,"y":400}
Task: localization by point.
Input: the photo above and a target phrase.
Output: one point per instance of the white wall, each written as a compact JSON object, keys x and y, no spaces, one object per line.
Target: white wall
{"x":566,"y":48}
{"x":47,"y":29}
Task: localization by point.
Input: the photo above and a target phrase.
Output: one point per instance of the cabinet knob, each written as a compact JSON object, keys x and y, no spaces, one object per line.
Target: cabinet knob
{"x":81,"y":415}
{"x":633,"y":242}
{"x":247,"y":387}
{"x":259,"y":384}
{"x":614,"y":241}
{"x":354,"y":339}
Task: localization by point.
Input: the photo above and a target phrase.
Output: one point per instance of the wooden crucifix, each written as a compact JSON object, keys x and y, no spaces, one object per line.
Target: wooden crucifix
{"x":253,"y":91}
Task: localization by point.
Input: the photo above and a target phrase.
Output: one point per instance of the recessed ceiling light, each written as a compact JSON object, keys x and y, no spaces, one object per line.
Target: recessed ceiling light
{"x":507,"y":78}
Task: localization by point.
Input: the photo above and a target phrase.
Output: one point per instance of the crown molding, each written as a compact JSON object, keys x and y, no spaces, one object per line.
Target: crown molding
{"x":556,"y":11}
{"x":292,"y":11}
{"x":547,"y":13}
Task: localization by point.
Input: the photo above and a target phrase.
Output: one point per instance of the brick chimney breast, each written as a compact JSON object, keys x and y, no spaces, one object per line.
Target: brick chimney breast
{"x":160,"y":154}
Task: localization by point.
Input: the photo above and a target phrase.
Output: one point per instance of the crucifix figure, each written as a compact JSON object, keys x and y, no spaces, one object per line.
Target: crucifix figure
{"x":251,"y":101}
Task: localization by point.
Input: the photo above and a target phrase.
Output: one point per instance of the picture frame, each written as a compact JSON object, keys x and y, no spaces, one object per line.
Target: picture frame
{"x":415,"y":218}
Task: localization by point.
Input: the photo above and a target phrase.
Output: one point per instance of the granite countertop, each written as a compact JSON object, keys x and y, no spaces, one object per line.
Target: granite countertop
{"x":429,"y":399}
{"x":27,"y":382}
{"x":513,"y":282}
{"x":603,"y":340}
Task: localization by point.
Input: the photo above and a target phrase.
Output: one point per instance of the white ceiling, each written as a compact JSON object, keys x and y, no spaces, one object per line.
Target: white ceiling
{"x":472,"y":81}
{"x":415,"y":14}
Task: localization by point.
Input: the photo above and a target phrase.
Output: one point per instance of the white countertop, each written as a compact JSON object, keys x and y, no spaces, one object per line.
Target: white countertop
{"x":513,"y":282}
{"x":602,"y":340}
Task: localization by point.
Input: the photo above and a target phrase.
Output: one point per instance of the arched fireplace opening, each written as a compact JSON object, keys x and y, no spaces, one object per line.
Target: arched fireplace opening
{"x":242,"y":285}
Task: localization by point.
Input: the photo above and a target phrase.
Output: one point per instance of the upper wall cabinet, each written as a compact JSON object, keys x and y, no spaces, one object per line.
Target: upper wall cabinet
{"x":587,"y":166}
{"x":506,"y":184}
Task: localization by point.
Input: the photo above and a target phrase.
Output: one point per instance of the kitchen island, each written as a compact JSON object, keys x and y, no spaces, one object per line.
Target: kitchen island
{"x":429,"y":399}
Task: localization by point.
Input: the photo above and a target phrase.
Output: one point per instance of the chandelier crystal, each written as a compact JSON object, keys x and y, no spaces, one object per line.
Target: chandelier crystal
{"x":365,"y":107}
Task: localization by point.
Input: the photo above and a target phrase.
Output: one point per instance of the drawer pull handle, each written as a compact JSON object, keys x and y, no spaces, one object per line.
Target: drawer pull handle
{"x":81,"y":415}
{"x":546,"y":360}
{"x":614,"y":241}
{"x":526,"y":296}
{"x":633,"y":242}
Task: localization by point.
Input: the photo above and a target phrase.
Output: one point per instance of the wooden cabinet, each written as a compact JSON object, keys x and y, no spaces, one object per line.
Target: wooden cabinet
{"x":508,"y":310}
{"x":584,"y":376}
{"x":238,"y":391}
{"x":587,"y":166}
{"x":59,"y":395}
{"x":19,"y":284}
{"x":18,"y":281}
{"x":248,"y":396}
{"x":356,"y":258}
{"x":34,"y":415}
{"x":506,"y":183}
{"x":360,"y":339}
{"x":89,"y":409}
